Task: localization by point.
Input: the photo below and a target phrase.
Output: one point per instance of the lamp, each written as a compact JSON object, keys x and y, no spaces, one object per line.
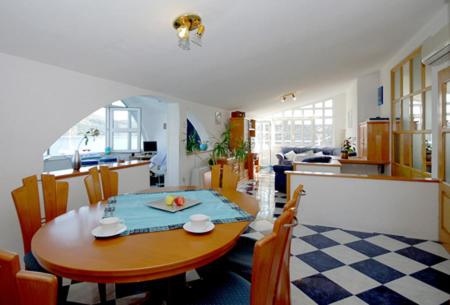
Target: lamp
{"x":288,"y":95}
{"x":185,"y":24}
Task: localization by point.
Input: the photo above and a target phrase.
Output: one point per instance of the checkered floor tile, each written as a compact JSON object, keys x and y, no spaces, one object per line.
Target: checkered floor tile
{"x":333,"y":265}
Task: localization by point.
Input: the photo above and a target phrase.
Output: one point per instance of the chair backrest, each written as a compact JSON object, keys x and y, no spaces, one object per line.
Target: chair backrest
{"x":268,"y":258}
{"x":9,"y":266}
{"x":215,"y":176}
{"x":55,"y":196}
{"x":37,"y":288}
{"x":283,"y":296}
{"x":295,"y":201}
{"x":24,"y":287}
{"x":207,"y":180}
{"x":110,"y":182}
{"x":26,"y":200}
{"x":93,"y":187}
{"x":229,"y":178}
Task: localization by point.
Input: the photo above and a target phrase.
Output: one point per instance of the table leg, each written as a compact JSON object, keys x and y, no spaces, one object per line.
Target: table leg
{"x":102,"y":293}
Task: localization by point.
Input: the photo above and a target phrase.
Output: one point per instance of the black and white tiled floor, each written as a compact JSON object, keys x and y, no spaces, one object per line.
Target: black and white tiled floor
{"x":334,"y":265}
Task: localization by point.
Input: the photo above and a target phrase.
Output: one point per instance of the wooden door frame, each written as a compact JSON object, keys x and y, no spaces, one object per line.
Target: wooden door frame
{"x":444,"y":187}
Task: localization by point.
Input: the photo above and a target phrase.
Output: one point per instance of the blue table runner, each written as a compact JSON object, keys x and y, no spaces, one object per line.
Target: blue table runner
{"x":140,"y":218}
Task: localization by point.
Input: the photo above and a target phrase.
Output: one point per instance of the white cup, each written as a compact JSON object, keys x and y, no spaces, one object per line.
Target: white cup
{"x":199,"y":221}
{"x":109,"y":224}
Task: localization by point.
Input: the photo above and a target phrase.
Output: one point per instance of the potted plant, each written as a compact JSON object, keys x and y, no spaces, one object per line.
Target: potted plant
{"x":221,"y":149}
{"x":347,"y":148}
{"x":191,"y":143}
{"x":240,"y":153}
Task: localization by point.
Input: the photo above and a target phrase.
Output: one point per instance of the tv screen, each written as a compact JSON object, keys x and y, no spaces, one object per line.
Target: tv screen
{"x":150,"y":146}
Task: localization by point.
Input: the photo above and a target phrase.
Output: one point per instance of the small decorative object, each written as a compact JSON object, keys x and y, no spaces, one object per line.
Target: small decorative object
{"x":107,"y":150}
{"x":218,"y":117}
{"x":76,"y":161}
{"x":203,"y":146}
{"x":347,"y":148}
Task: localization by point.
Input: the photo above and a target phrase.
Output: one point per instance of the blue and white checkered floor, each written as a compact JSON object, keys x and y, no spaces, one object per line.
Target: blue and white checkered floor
{"x":335,"y":266}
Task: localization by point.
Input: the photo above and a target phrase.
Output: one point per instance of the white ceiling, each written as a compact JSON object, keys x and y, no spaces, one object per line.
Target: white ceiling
{"x":253,"y":50}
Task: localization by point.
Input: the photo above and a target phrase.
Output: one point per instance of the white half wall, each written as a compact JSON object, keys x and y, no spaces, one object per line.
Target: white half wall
{"x":406,"y":208}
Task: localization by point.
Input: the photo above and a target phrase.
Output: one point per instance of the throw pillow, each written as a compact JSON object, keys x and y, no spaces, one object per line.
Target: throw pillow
{"x":302,"y":156}
{"x":320,"y":159}
{"x":290,"y":155}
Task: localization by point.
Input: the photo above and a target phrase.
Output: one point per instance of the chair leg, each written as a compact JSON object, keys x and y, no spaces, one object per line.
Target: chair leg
{"x":102,"y":292}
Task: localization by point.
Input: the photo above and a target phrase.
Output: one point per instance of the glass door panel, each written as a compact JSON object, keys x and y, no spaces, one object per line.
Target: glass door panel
{"x":406,"y":117}
{"x":417,"y":73}
{"x":397,"y":84}
{"x":428,"y":108}
{"x":396,"y":148}
{"x":447,"y":157}
{"x":417,"y":151}
{"x":406,"y":79}
{"x":428,"y":151}
{"x":406,"y":148}
{"x":417,"y":112}
{"x":396,"y":115}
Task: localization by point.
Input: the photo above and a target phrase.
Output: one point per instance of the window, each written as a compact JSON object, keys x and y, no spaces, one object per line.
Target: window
{"x":120,"y":128}
{"x":307,"y":125}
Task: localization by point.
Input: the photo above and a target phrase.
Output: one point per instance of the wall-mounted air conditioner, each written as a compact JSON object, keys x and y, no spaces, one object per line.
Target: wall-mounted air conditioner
{"x":436,"y":49}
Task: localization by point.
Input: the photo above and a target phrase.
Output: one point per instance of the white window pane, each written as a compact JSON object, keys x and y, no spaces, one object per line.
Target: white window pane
{"x":134,"y":141}
{"x":120,"y":119}
{"x":298,"y":113}
{"x":318,"y":105}
{"x":328,"y":121}
{"x":308,"y":113}
{"x":329,"y":103}
{"x":308,"y":107}
{"x":134,"y":119}
{"x":318,"y":122}
{"x":120,"y":141}
{"x":278,"y":115}
{"x":318,"y":113}
{"x":288,"y":113}
{"x":318,"y":139}
{"x":328,"y":112}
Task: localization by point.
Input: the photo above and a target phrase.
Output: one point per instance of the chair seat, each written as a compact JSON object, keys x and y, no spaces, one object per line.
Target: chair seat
{"x":31,"y":264}
{"x":240,"y":259}
{"x":226,"y":289}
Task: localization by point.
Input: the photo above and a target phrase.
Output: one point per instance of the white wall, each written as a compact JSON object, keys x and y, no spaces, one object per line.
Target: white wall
{"x":339,"y":114}
{"x":367,"y":95}
{"x":351,"y":118}
{"x":38,"y":103}
{"x":371,"y":205}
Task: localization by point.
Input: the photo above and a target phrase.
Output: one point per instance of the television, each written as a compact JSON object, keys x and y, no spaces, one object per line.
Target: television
{"x":150,"y":146}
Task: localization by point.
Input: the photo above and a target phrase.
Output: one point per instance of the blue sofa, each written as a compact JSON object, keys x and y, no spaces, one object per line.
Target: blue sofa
{"x":286,"y":165}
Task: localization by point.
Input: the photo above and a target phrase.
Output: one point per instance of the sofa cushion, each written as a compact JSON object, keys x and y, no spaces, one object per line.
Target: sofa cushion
{"x":290,"y":155}
{"x":319,"y":159}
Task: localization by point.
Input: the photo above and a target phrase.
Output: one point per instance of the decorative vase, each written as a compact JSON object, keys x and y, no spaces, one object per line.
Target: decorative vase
{"x":76,"y":161}
{"x":203,"y":146}
{"x":344,"y":154}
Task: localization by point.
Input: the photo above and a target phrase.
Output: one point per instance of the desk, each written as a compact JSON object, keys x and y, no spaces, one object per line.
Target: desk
{"x":66,"y":247}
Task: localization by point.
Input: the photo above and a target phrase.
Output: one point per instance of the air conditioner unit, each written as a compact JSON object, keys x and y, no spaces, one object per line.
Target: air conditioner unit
{"x":436,"y":49}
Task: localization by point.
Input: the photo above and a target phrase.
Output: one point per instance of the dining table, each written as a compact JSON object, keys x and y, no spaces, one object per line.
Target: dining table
{"x":66,"y":247}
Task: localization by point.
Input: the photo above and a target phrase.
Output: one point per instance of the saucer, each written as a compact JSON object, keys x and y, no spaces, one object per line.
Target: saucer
{"x":188,"y":227}
{"x":101,"y":233}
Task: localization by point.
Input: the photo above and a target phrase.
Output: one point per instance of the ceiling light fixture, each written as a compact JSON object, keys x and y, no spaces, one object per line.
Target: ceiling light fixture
{"x":288,"y":95}
{"x":185,"y":24}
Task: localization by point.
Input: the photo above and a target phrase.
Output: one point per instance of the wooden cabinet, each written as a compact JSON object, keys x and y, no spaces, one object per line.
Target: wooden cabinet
{"x":239,"y":131}
{"x":373,"y":141}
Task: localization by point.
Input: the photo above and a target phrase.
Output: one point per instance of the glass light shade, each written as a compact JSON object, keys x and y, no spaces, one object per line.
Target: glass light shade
{"x":197,"y":39}
{"x":183,"y":32}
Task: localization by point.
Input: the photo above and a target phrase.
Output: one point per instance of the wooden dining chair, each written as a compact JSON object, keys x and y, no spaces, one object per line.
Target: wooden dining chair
{"x":24,"y":287}
{"x":215,"y":176}
{"x":229,"y":178}
{"x":93,"y":186}
{"x":110,"y":182}
{"x":26,"y":201}
{"x":55,"y":195}
{"x":207,"y":180}
{"x":230,"y":288}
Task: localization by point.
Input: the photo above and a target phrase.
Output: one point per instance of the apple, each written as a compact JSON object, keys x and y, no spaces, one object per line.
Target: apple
{"x":179,"y":201}
{"x":169,"y":199}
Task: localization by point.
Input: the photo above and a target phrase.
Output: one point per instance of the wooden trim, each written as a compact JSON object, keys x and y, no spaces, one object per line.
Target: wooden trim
{"x":362,"y":161}
{"x":355,"y":176}
{"x":84,"y":171}
{"x":333,"y":163}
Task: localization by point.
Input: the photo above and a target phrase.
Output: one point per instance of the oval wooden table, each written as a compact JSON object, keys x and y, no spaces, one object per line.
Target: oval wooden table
{"x":66,"y":247}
